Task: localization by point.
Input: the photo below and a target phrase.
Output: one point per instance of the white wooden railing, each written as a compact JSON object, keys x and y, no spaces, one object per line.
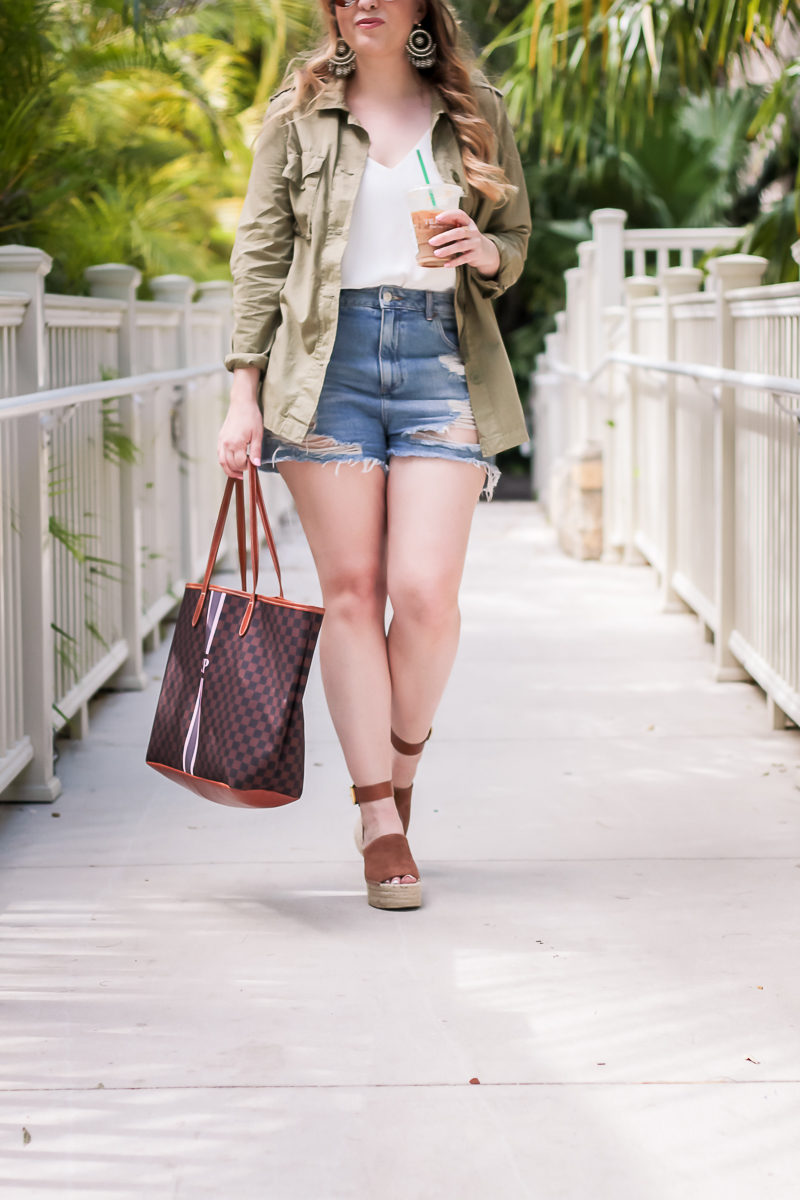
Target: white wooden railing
{"x":694,"y":398}
{"x":109,"y":488}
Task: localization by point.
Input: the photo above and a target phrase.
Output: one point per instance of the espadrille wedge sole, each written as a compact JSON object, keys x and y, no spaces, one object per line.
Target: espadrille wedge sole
{"x":394,"y":895}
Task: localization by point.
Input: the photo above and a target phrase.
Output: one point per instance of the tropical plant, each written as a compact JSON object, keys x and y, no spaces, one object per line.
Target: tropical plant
{"x":682,"y":113}
{"x":125,"y":128}
{"x":573,"y":56}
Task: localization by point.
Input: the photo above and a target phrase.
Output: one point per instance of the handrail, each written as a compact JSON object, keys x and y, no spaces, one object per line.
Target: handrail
{"x":64,"y":397}
{"x":774,"y":384}
{"x":693,"y":237}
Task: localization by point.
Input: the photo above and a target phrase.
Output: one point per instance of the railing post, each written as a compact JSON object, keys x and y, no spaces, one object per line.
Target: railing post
{"x":607,"y":287}
{"x":729,"y":271}
{"x":178,"y":290}
{"x":604,"y":258}
{"x":610,"y":437}
{"x":675,"y":281}
{"x":637,"y":287}
{"x":587,"y":338}
{"x":117,"y":281}
{"x":608,"y":231}
{"x":571,"y":343}
{"x":218,"y":294}
{"x":23,"y":269}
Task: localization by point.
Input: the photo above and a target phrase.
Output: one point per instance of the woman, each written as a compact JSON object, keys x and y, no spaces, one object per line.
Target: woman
{"x":361,"y":356}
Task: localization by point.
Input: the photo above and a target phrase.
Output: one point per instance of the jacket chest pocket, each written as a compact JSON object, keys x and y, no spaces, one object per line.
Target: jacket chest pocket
{"x":304,"y":174}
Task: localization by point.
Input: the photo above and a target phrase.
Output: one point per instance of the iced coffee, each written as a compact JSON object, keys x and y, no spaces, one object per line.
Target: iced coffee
{"x":426,"y":203}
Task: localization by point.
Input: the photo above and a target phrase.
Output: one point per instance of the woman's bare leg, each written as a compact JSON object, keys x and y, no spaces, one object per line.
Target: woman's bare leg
{"x":343,"y":514}
{"x":430,"y":505}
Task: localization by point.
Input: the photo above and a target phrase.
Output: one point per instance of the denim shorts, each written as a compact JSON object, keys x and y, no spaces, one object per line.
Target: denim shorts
{"x":394,"y":387}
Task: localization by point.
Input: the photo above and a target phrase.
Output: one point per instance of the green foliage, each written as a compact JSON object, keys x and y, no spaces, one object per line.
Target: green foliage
{"x":648,"y":106}
{"x":571,"y":57}
{"x":118,"y":446}
{"x":125,"y":127}
{"x":95,"y":571}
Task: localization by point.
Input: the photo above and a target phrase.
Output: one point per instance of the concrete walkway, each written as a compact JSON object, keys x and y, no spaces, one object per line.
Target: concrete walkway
{"x":200,"y":1004}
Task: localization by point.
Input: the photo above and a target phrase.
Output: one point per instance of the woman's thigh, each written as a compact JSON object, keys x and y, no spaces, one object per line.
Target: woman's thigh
{"x":430,"y":505}
{"x":342,"y":509}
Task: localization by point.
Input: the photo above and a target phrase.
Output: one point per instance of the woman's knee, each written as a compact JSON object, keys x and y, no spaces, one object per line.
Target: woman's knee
{"x":430,"y":600}
{"x":355,"y":592}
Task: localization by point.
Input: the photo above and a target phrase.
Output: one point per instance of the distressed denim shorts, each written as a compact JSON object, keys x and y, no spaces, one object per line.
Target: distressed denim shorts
{"x":395,"y":386}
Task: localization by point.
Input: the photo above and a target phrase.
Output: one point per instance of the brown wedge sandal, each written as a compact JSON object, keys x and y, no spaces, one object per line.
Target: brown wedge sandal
{"x":402,"y":795}
{"x":387,"y":857}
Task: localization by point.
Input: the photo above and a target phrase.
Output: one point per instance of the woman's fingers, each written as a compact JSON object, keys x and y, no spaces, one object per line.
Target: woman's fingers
{"x":463,"y":238}
{"x":464,"y":245}
{"x":459,"y":246}
{"x":239,"y":438}
{"x":230,"y":465}
{"x":454,"y":216}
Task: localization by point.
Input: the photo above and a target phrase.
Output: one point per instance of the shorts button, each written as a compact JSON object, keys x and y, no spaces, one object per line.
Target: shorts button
{"x":387,"y":297}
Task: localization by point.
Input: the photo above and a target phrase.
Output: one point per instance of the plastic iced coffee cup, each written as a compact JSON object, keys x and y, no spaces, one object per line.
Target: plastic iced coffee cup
{"x":426,"y":203}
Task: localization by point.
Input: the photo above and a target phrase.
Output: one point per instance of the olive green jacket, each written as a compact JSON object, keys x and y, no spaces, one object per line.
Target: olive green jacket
{"x":289,"y":245}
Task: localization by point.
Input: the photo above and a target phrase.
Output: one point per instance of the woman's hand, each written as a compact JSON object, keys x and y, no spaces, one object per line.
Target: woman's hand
{"x":243,"y":428}
{"x":465,"y":245}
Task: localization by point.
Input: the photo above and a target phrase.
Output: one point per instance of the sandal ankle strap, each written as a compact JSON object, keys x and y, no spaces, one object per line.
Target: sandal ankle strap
{"x":409,"y":747}
{"x":373,"y":791}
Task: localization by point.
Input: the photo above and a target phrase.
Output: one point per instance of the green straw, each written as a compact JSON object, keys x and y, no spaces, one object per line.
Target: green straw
{"x":425,"y":177}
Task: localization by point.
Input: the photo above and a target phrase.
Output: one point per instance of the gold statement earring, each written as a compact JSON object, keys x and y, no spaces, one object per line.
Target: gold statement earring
{"x":344,"y":59}
{"x":420,"y":48}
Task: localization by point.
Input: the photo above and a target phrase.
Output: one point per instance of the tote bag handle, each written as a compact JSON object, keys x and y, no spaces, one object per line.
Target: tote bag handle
{"x":257,"y":506}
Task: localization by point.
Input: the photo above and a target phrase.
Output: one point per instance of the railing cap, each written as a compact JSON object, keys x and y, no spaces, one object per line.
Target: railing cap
{"x":586,"y":255}
{"x":113,"y":281}
{"x":638,"y":286}
{"x":608,"y":216}
{"x":24,"y":258}
{"x":215,"y":290}
{"x":177,"y":289}
{"x":676,"y":281}
{"x":738,"y":270}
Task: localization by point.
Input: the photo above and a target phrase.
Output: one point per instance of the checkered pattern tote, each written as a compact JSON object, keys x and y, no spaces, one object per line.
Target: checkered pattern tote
{"x":229,"y":721}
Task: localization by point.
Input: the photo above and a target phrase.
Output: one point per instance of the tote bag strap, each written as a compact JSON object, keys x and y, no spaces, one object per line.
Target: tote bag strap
{"x":241,"y":536}
{"x":257,"y":507}
{"x":257,"y":499}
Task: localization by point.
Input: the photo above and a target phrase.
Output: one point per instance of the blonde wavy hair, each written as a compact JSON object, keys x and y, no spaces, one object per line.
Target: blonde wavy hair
{"x":450,"y":74}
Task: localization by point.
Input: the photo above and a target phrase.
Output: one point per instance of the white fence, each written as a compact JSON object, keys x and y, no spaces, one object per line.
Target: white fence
{"x":109,"y":488}
{"x":693,"y":396}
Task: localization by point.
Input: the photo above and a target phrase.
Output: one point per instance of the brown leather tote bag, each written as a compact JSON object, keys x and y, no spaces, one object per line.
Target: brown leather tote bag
{"x":229,"y":720}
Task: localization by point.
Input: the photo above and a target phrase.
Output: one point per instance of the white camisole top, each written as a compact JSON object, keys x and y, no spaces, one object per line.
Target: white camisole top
{"x":381,"y":247}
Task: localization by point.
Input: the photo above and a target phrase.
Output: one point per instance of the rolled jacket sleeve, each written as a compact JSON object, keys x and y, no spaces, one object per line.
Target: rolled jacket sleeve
{"x":262,"y":249}
{"x":509,"y":225}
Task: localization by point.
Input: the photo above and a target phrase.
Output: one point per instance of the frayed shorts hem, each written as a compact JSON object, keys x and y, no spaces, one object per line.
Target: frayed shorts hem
{"x":289,"y":453}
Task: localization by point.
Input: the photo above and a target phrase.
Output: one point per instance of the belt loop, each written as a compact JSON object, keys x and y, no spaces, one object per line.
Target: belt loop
{"x":429,"y":306}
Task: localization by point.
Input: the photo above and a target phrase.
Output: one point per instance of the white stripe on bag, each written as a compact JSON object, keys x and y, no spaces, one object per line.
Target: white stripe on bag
{"x":192,"y":742}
